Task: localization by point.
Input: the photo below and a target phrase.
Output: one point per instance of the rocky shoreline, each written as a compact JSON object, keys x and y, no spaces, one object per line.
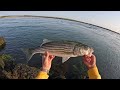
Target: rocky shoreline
{"x":10,"y":69}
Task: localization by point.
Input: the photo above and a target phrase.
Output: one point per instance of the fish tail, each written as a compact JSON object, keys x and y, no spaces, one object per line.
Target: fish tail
{"x":29,"y":53}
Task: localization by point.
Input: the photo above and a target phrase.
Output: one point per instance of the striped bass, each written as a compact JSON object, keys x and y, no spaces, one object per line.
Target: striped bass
{"x":64,"y":49}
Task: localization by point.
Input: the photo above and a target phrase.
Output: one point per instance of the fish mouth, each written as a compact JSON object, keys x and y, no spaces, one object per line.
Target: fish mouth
{"x":91,"y":52}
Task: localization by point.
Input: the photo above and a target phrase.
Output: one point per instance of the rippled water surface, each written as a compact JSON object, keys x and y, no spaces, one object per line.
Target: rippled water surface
{"x":28,"y":32}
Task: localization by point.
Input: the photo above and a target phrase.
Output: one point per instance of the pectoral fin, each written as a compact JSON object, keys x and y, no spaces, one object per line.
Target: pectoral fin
{"x":65,"y":59}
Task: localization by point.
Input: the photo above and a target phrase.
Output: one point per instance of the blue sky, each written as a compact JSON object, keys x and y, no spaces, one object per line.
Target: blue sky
{"x":107,"y":19}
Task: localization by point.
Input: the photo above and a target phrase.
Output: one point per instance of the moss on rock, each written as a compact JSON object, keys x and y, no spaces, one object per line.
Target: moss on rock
{"x":2,"y":43}
{"x":4,"y":58}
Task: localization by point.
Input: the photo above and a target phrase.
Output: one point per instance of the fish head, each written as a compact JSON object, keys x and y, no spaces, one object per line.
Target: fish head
{"x":88,"y":51}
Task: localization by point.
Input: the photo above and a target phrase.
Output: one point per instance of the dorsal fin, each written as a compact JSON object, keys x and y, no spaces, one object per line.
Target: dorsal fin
{"x":45,"y":41}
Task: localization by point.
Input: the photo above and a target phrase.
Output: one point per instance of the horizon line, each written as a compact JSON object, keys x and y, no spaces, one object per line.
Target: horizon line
{"x":13,"y":16}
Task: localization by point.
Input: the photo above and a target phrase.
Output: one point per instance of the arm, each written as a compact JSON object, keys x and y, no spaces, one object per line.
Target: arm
{"x":46,"y":65}
{"x":93,"y":73}
{"x":90,"y":62}
{"x":42,"y":75}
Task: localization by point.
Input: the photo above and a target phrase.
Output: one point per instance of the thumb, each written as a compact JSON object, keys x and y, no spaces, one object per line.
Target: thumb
{"x":45,"y":56}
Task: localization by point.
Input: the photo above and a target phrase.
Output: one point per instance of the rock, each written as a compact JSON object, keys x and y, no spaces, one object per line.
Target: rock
{"x":22,"y":71}
{"x":12,"y":70}
{"x":2,"y":75}
{"x":9,"y":69}
{"x":2,"y":43}
{"x":18,"y":71}
{"x":57,"y":71}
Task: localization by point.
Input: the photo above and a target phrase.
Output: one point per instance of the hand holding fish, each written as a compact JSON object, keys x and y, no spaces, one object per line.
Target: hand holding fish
{"x":46,"y":61}
{"x":90,"y":62}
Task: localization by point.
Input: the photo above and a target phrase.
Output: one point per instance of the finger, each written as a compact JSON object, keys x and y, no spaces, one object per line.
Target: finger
{"x":86,"y":63}
{"x":47,"y":53}
{"x":52,"y":57}
{"x":86,"y":58}
{"x":45,"y":56}
{"x":93,"y":58}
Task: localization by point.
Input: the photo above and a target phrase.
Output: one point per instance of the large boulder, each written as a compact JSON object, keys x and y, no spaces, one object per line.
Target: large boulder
{"x":2,"y":42}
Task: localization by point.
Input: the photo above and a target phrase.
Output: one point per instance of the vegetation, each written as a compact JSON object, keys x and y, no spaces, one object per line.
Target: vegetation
{"x":2,"y":43}
{"x":79,"y":71}
{"x":3,"y":59}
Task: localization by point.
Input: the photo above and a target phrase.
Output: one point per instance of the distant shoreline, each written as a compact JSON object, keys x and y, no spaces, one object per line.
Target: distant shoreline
{"x":15,"y":16}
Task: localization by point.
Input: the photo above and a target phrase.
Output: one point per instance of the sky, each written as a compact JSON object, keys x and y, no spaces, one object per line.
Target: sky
{"x":107,"y":19}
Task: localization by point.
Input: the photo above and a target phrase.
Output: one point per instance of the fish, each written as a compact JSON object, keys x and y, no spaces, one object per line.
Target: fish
{"x":63,"y":48}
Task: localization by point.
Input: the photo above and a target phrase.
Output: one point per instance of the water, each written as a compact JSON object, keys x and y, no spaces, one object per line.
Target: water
{"x":28,"y":32}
